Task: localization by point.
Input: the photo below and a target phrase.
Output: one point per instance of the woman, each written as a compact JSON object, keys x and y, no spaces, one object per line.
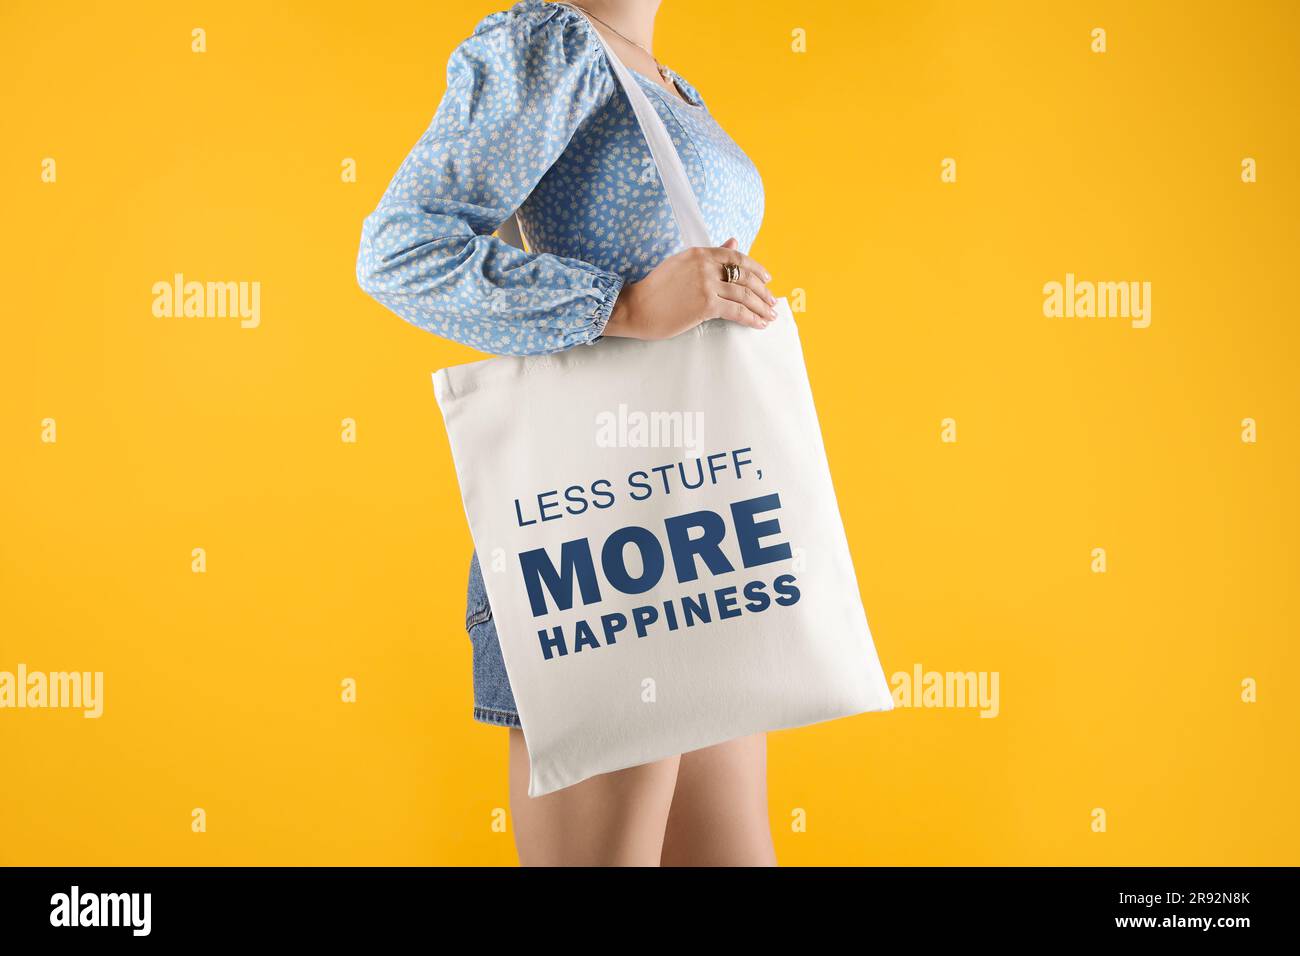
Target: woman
{"x":534,"y":119}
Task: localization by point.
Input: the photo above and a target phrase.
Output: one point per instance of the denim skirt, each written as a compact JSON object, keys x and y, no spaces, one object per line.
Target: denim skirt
{"x":494,"y":702}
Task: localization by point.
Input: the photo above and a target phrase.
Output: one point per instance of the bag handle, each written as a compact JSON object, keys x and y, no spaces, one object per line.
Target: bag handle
{"x":686,"y":208}
{"x":668,"y":163}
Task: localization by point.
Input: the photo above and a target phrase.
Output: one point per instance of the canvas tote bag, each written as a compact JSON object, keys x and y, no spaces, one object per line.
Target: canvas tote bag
{"x":658,"y":534}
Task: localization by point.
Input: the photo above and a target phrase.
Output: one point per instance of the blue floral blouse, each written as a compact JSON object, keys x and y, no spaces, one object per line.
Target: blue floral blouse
{"x":534,"y":119}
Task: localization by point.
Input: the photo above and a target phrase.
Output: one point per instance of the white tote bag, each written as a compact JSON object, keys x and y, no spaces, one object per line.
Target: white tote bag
{"x":658,"y":533}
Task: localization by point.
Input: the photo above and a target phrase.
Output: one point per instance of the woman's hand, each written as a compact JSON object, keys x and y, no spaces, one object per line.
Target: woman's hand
{"x":687,"y":289}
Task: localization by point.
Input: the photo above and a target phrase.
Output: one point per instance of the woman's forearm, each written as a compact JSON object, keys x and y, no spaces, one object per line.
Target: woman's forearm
{"x":432,"y":270}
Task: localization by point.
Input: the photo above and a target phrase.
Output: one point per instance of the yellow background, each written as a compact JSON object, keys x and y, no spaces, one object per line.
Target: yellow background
{"x":328,"y":560}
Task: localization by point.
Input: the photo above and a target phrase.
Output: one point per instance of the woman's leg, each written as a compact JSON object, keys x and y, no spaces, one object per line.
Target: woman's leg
{"x":719,"y":810}
{"x":615,"y":819}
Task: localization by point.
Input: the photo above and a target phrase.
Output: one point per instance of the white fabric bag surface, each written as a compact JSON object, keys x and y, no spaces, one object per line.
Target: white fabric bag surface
{"x":659,"y":535}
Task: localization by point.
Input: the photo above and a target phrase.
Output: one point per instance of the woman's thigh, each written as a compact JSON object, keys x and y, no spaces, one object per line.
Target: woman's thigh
{"x":614,"y":819}
{"x":719,"y":812}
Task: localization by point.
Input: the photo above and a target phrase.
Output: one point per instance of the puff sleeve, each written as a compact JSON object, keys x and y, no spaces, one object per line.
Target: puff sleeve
{"x":517,"y":90}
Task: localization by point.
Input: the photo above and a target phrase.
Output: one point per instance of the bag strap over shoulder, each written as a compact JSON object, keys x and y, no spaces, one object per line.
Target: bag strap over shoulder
{"x":668,"y":163}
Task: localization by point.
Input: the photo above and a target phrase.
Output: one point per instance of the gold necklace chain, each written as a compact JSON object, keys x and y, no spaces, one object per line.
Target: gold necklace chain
{"x":663,"y":70}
